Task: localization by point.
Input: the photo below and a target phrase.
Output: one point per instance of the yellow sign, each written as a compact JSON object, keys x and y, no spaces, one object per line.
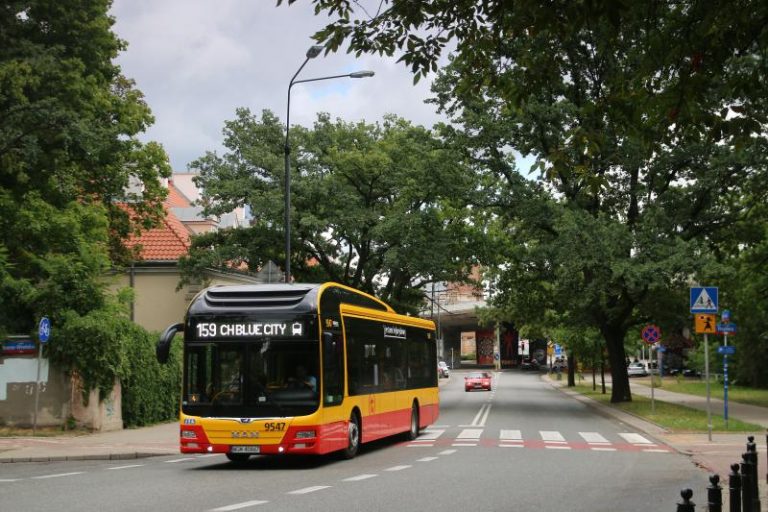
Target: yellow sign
{"x":705,"y":324}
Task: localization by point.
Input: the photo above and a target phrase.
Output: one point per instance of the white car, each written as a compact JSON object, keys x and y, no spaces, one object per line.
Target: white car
{"x":443,"y":370}
{"x":636,"y":370}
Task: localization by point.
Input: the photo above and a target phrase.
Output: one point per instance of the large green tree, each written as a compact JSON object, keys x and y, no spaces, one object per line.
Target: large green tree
{"x":69,"y":156}
{"x":646,"y":121}
{"x":375,"y":206}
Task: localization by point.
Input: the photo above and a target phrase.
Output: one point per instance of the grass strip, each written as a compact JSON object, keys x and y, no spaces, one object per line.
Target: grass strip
{"x":674,"y":417}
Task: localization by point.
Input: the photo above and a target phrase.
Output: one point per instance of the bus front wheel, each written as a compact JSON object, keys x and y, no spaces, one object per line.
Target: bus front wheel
{"x":353,"y":437}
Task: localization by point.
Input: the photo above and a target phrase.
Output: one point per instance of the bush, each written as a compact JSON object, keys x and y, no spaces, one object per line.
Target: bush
{"x":151,"y":391}
{"x":104,"y":346}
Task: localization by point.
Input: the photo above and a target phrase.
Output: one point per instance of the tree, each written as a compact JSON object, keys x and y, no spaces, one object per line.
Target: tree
{"x":646,"y":121}
{"x":69,"y":123}
{"x":377,"y":207}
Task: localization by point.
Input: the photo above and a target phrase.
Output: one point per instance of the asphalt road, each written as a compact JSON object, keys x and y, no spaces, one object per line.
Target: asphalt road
{"x":523,"y":446}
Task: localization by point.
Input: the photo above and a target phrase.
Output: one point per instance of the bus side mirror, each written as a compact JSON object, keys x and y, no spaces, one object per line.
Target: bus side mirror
{"x":163,"y":348}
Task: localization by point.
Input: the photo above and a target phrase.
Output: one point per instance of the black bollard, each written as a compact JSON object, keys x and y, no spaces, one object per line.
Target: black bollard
{"x":734,"y":489}
{"x":752,"y":453}
{"x":714,"y":494}
{"x":746,"y":484}
{"x":686,"y":505}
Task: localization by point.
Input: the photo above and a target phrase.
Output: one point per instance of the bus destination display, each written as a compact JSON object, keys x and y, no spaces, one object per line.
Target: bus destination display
{"x":245,"y":329}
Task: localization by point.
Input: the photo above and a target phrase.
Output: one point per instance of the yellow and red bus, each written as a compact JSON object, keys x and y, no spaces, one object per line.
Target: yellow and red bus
{"x":300,"y":369}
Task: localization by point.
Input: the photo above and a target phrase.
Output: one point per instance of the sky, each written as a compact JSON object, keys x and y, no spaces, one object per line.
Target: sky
{"x":197,"y":61}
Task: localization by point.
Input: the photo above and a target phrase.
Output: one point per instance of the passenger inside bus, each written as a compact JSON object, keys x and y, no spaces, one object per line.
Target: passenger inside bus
{"x":302,"y":380}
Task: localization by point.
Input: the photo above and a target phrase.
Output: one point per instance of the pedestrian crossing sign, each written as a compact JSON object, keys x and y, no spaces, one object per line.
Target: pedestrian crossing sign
{"x":704,"y":299}
{"x":706,"y":324}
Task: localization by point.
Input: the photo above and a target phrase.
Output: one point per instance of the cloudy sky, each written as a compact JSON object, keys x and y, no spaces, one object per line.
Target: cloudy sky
{"x":196,"y":61}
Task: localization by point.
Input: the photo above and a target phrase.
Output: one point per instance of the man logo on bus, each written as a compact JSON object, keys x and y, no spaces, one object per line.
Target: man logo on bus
{"x":296,"y":329}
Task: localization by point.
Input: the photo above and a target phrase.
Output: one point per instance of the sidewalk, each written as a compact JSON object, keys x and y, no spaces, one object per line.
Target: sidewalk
{"x":121,"y":444}
{"x":714,"y":456}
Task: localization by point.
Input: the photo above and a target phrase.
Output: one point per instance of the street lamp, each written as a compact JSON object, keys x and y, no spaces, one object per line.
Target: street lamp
{"x":313,"y":52}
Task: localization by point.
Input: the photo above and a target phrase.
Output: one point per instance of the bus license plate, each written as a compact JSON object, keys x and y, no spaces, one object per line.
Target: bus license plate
{"x":246,"y":449}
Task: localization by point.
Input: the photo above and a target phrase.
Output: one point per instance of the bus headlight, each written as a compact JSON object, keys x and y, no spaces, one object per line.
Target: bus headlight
{"x":305,"y":434}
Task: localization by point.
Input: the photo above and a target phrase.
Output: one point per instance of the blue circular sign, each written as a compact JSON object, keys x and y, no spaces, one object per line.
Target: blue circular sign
{"x":725,"y":316}
{"x":44,"y":329}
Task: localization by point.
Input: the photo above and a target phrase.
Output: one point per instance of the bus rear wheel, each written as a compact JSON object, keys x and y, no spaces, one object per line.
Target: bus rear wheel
{"x":238,"y":457}
{"x":413,"y":432}
{"x":353,"y":437}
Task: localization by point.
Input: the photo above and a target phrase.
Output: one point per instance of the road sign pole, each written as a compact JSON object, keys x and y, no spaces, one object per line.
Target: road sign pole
{"x":725,"y":381}
{"x":653,"y":398}
{"x":706,"y":378}
{"x":37,"y":389}
{"x":43,"y":332}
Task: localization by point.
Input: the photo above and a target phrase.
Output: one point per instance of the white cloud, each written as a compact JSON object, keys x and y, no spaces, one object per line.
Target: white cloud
{"x":196,"y":61}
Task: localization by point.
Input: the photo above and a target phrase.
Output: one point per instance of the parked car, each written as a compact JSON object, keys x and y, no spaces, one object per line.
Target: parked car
{"x":530,"y":364}
{"x":443,"y":370}
{"x":477,"y":380}
{"x":636,"y":370}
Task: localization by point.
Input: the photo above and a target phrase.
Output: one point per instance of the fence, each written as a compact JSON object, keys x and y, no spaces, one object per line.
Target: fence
{"x":743,"y":488}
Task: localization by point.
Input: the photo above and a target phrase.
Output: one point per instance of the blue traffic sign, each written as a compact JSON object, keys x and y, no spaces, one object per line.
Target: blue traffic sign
{"x":725,"y":316}
{"x":703,"y":299}
{"x":726,"y":328}
{"x":727,"y":350}
{"x":44,"y":329}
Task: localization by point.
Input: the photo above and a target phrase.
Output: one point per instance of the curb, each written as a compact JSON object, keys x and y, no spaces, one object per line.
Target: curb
{"x":95,"y":456}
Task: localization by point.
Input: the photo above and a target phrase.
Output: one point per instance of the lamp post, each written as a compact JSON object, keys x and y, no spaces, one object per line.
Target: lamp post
{"x":313,"y":52}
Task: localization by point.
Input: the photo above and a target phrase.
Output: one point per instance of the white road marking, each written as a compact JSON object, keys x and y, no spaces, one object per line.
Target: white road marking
{"x":551,"y":436}
{"x":511,"y":435}
{"x":635,"y":438}
{"x":430,"y":435}
{"x":307,"y":490}
{"x":465,"y":444}
{"x":57,"y":475}
{"x":470,"y":433}
{"x":9,"y":479}
{"x":602,"y":449}
{"x":656,"y":450}
{"x":398,"y":468}
{"x":447,"y":452}
{"x":126,"y":467}
{"x":238,"y":506}
{"x":593,"y":438}
{"x":359,"y":477}
{"x":482,"y":416}
{"x":518,"y":445}
{"x":179,"y":460}
{"x":556,"y":447}
{"x":427,"y":459}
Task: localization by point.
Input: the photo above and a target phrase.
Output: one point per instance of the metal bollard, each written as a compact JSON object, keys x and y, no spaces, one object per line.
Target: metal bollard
{"x":752,"y":454}
{"x":746,"y":484}
{"x":714,"y":494}
{"x":686,"y":505}
{"x":734,"y":489}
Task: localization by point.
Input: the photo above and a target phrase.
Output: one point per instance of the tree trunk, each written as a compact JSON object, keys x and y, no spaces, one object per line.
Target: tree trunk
{"x":571,"y":369}
{"x":614,"y":339}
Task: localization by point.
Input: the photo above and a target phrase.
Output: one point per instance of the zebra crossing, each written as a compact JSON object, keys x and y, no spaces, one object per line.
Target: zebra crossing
{"x":477,"y":436}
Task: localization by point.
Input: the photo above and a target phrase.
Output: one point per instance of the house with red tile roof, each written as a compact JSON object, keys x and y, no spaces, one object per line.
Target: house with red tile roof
{"x":155,"y":276}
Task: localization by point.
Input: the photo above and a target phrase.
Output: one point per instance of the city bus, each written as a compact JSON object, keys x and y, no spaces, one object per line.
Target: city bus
{"x":300,"y":369}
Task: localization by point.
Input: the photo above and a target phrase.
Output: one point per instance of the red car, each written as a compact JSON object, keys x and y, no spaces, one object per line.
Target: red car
{"x":477,"y":380}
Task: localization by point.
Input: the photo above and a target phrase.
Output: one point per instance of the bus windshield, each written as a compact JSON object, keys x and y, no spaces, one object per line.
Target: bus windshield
{"x":258,"y":378}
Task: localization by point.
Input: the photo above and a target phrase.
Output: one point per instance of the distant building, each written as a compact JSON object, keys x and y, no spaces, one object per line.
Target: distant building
{"x":462,"y":341}
{"x":155,"y":275}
